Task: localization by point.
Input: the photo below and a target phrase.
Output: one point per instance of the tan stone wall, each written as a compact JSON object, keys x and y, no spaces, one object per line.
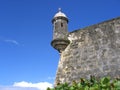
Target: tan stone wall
{"x":94,"y":50}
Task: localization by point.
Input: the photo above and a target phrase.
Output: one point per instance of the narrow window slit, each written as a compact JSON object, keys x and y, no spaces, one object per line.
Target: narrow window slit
{"x":61,"y":24}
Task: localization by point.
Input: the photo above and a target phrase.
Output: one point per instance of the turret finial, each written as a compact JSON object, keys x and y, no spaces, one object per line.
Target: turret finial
{"x":59,"y":9}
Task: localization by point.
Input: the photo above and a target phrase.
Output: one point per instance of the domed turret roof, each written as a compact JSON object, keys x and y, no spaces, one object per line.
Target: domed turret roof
{"x":60,"y":14}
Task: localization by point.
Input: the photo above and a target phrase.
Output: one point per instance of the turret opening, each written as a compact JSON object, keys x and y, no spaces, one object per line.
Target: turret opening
{"x":61,"y":24}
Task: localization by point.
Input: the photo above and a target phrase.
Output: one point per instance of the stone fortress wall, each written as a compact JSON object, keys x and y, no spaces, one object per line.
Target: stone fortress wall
{"x":94,"y":50}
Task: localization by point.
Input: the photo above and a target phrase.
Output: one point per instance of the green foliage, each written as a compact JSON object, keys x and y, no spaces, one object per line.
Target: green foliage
{"x":104,"y":83}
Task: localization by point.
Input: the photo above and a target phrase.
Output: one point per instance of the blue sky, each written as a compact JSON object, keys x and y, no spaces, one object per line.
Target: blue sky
{"x":26,"y":32}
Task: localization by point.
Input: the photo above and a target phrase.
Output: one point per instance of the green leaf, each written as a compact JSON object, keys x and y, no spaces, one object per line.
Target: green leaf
{"x":117,"y":85}
{"x":72,"y":88}
{"x":105,"y":80}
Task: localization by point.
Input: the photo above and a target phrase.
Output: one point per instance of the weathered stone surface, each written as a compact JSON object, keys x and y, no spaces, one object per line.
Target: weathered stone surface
{"x":94,"y":50}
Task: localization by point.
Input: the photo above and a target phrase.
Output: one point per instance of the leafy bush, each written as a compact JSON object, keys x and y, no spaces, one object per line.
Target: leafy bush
{"x":104,"y":83}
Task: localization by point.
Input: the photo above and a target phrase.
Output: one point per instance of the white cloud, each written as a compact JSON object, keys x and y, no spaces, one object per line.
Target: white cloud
{"x":27,"y":86}
{"x":16,"y":88}
{"x":51,"y":78}
{"x":12,"y":41}
{"x":40,"y":85}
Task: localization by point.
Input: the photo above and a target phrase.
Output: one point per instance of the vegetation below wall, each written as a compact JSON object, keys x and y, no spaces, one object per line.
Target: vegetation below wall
{"x":93,"y":83}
